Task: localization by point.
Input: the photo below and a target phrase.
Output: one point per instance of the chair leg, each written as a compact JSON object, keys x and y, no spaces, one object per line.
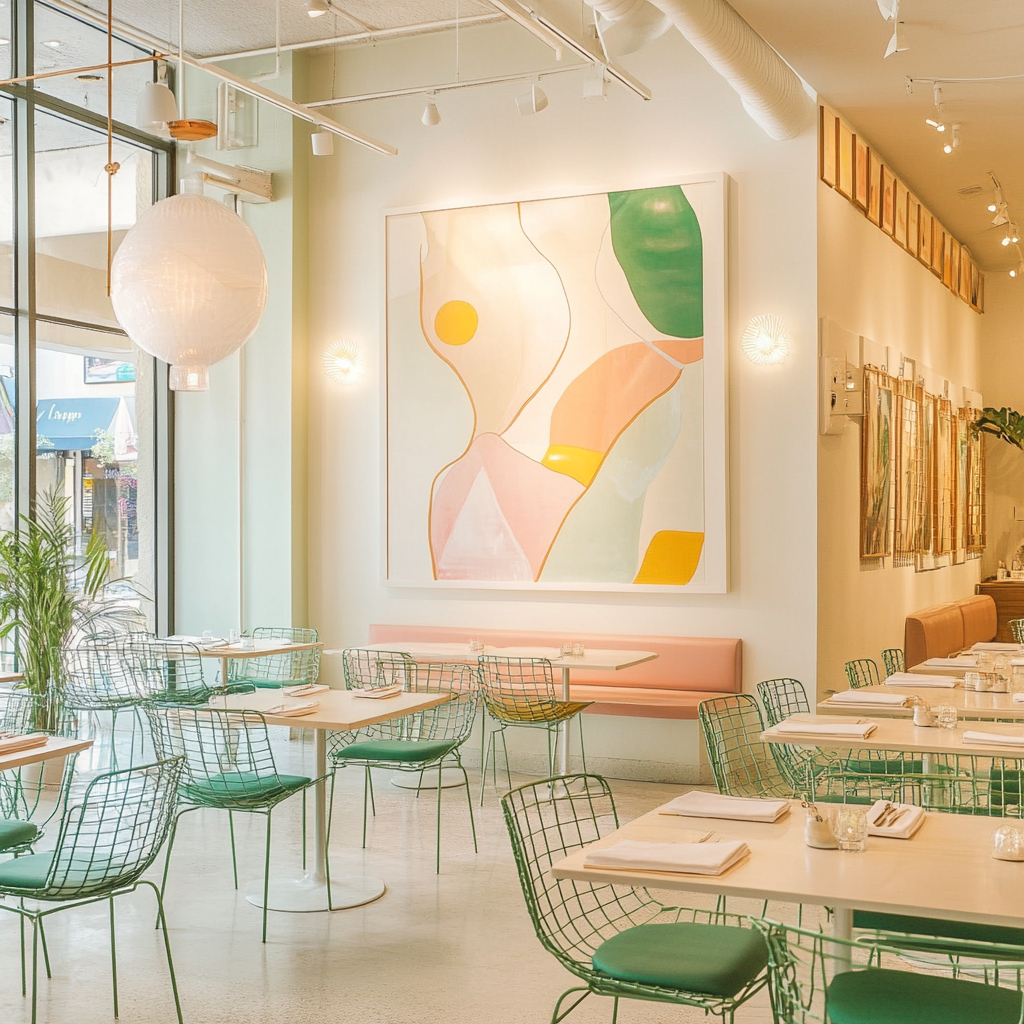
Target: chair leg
{"x":35,"y":965}
{"x":615,"y":1009}
{"x":21,"y":922}
{"x":469,"y":804}
{"x":483,"y":769}
{"x":266,"y":878}
{"x":167,"y":864}
{"x":556,"y":1016}
{"x":303,"y":830}
{"x":167,"y":947}
{"x":583,"y":749}
{"x":113,"y":744}
{"x":437,"y":860}
{"x":327,"y":847}
{"x":373,"y":805}
{"x":508,"y":770}
{"x":366,"y":787}
{"x":46,"y":952}
{"x":419,"y":784}
{"x":113,"y":955}
{"x":234,"y":858}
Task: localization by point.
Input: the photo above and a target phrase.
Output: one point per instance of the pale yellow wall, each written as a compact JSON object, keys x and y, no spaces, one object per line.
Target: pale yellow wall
{"x":869,"y":286}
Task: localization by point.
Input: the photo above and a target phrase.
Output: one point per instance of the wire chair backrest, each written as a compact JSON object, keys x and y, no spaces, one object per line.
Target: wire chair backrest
{"x":167,"y":671}
{"x":26,"y":793}
{"x":366,"y":669}
{"x":518,"y":689}
{"x":782,"y":698}
{"x":228,"y":760}
{"x":98,"y":675}
{"x":18,"y":710}
{"x":894,"y":661}
{"x":862,"y":672}
{"x":743,"y":765}
{"x":571,"y":918}
{"x":1017,"y":629}
{"x":451,"y":721}
{"x":112,"y":834}
{"x":289,"y":667}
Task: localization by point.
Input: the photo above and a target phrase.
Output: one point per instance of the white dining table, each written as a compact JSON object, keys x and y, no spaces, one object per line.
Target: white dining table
{"x":970,"y":704}
{"x":240,"y":650}
{"x":945,"y":871}
{"x":341,"y":711}
{"x":593,"y":659}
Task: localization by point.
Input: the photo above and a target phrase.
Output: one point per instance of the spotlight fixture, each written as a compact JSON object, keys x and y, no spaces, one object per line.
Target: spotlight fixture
{"x":954,"y":142}
{"x":1006,"y":240}
{"x":1017,"y":271}
{"x":764,"y":340}
{"x":323,"y":143}
{"x":888,"y":10}
{"x":937,"y":125}
{"x":937,"y":97}
{"x":343,"y":361}
{"x":898,"y":43}
{"x":430,"y":116}
{"x":532,"y":102}
{"x":317,"y":8}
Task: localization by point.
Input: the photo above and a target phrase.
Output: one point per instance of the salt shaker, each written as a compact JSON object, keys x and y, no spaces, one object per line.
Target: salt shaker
{"x":1008,"y":843}
{"x":923,"y":715}
{"x":817,"y":831}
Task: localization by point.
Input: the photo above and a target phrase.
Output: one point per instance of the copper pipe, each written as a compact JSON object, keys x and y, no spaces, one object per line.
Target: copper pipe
{"x":78,"y":71}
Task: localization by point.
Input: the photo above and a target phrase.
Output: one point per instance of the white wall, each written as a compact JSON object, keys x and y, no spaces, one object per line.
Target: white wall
{"x":483,"y":150}
{"x":871,"y":287}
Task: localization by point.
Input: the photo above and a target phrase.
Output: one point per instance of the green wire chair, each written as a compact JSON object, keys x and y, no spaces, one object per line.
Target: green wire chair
{"x":817,"y":978}
{"x":274,"y":671}
{"x":171,"y":672}
{"x":617,"y":940}
{"x":107,"y":840}
{"x":742,"y":764}
{"x":894,"y":661}
{"x":782,"y":698}
{"x":228,"y":765}
{"x":367,"y":669}
{"x":417,"y":743}
{"x":1017,"y":629}
{"x":862,"y":672}
{"x":521,"y":692}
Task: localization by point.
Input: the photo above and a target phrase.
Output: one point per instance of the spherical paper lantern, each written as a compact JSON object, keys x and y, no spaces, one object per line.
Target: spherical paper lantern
{"x":189,"y":285}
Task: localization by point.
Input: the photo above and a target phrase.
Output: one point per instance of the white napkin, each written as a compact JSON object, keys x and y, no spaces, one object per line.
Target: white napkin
{"x":292,"y":710}
{"x":998,"y":648}
{"x":11,"y":743}
{"x":906,"y":824}
{"x":910,"y":679}
{"x":857,"y":730}
{"x":377,"y":692}
{"x":1018,"y":698}
{"x":698,"y":804}
{"x":964,"y":661}
{"x":305,"y":690}
{"x":994,"y":738}
{"x":687,"y":858}
{"x":867,"y":697}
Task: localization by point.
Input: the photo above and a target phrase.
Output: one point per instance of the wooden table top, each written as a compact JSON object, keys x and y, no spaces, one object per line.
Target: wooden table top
{"x":260,"y":648}
{"x":339,"y":709}
{"x":592,"y":658}
{"x":55,"y":746}
{"x":944,"y":871}
{"x":901,"y":735}
{"x":983,"y":706}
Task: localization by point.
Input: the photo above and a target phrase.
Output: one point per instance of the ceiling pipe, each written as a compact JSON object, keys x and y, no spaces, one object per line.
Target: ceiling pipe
{"x":771,"y":91}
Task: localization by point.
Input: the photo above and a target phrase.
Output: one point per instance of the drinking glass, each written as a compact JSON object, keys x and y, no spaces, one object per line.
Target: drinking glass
{"x":850,"y":826}
{"x":476,"y":646}
{"x":578,"y":650}
{"x":567,"y":649}
{"x":945,"y":716}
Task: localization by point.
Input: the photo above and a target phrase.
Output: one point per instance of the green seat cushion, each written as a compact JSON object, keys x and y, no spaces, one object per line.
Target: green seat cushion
{"x":413,"y":751}
{"x":238,"y":788}
{"x":16,"y":833}
{"x":874,"y":921}
{"x":25,"y":872}
{"x":713,"y":959}
{"x":270,"y":684}
{"x":879,"y":996}
{"x":884,"y":766}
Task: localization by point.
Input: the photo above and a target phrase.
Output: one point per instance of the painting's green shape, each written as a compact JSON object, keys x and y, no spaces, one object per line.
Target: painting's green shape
{"x":657,"y":241}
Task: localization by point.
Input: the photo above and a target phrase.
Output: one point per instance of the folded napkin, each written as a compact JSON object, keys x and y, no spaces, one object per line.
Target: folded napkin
{"x":867,"y":697}
{"x":11,"y":744}
{"x":293,"y":710}
{"x":905,"y":822}
{"x":376,"y":692}
{"x":686,"y":858}
{"x":964,"y":661}
{"x":305,"y":690}
{"x":1018,"y":698}
{"x":998,"y":648}
{"x":994,"y":738}
{"x":856,"y":730}
{"x":698,"y":804}
{"x":911,"y":679}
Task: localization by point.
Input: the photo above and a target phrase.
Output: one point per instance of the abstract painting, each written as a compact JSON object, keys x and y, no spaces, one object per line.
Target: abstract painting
{"x":556,"y":392}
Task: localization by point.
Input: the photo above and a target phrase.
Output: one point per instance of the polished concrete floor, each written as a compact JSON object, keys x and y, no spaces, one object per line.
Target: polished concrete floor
{"x":456,"y":947}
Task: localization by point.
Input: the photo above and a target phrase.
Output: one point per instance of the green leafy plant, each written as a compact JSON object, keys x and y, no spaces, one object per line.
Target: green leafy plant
{"x":46,"y":591}
{"x":1007,"y":424}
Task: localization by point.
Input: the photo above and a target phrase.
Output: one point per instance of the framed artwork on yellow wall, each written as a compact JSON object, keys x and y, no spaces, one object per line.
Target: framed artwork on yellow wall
{"x":861,"y":155}
{"x":874,"y":188}
{"x":951,"y":268}
{"x":556,"y":392}
{"x":887,"y":217}
{"x":900,"y":221}
{"x":938,"y":248}
{"x":924,"y":234}
{"x":913,"y":226}
{"x":827,"y":146}
{"x":845,"y":162}
{"x":966,"y":264}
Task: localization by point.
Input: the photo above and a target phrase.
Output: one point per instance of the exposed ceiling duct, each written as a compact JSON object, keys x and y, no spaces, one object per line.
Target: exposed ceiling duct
{"x":771,"y":91}
{"x":626,"y":26}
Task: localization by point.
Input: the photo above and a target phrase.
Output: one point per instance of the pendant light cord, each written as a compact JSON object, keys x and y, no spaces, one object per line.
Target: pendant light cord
{"x":111,"y":167}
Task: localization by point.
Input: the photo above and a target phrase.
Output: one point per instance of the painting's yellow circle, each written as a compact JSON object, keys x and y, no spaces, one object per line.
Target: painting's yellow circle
{"x":456,"y":322}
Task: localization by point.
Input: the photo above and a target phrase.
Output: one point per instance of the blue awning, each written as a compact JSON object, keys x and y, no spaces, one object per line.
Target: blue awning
{"x":71,"y":424}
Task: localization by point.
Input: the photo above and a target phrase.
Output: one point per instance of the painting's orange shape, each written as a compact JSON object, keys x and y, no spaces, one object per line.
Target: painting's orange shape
{"x":607,"y":395}
{"x":580,"y":463}
{"x":671,"y":558}
{"x":456,"y":322}
{"x":682,"y":350}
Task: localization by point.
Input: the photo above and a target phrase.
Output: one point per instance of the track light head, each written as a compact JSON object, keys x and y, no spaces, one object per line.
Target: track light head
{"x":317,"y":8}
{"x":937,"y":96}
{"x":532,"y":102}
{"x":431,"y":115}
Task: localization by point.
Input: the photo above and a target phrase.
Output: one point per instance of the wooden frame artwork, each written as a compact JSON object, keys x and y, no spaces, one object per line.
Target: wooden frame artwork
{"x":876,"y":465}
{"x":887,"y":217}
{"x":951,"y":268}
{"x":938,"y":249}
{"x":900,"y":219}
{"x":861,"y":160}
{"x":874,"y":187}
{"x":913,"y":225}
{"x":827,"y":146}
{"x":844,"y":173}
{"x":924,"y":228}
{"x":966,"y":267}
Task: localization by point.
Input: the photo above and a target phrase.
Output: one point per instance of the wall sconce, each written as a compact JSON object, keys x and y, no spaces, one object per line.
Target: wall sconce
{"x":343,"y":361}
{"x":765,"y":340}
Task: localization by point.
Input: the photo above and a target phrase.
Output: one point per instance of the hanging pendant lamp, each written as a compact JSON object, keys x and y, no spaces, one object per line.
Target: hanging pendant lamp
{"x":189,"y":285}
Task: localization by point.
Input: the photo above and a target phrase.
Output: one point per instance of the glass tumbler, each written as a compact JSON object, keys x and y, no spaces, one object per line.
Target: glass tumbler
{"x":945,"y":716}
{"x":850,"y":827}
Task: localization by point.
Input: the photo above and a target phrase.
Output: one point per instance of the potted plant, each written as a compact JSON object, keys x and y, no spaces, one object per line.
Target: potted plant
{"x":46,"y":593}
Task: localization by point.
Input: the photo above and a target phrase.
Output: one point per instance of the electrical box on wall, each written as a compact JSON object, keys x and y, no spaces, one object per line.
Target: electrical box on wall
{"x":841,"y":379}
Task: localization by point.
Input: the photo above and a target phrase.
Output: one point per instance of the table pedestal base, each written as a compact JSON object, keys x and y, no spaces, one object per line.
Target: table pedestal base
{"x":306,"y":894}
{"x":450,"y":778}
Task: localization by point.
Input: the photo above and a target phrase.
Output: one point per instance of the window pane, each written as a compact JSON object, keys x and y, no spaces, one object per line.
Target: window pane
{"x":71,"y":215}
{"x":6,"y":201}
{"x":63,"y":41}
{"x":7,"y":401}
